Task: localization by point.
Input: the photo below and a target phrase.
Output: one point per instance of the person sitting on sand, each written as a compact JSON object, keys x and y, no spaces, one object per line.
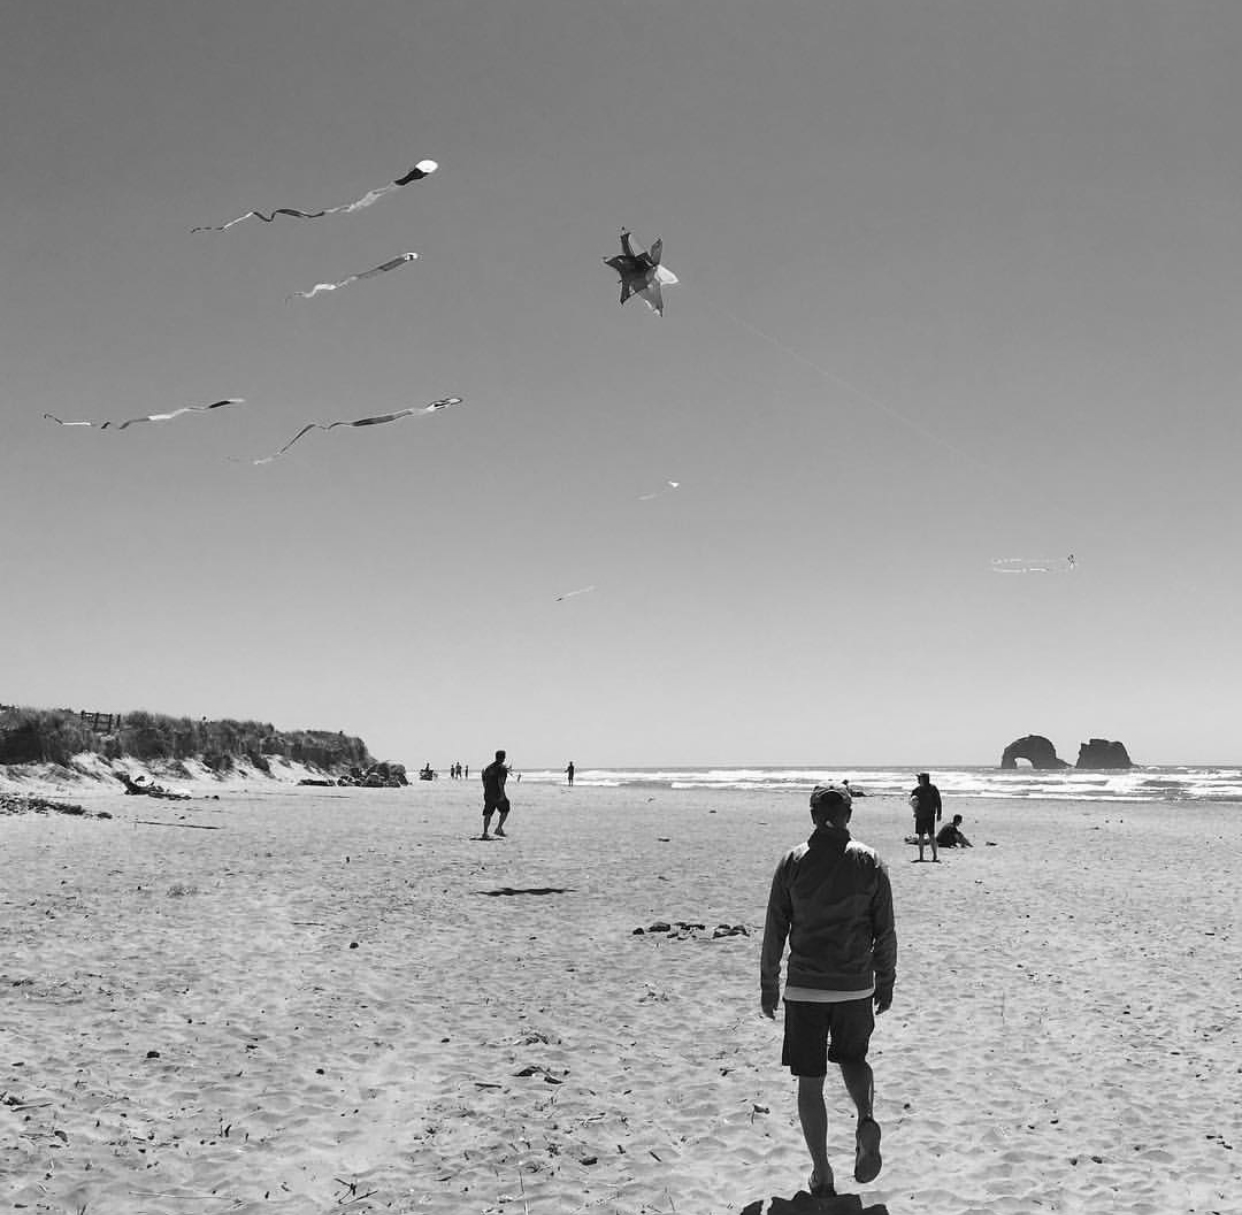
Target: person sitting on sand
{"x":494,"y":798}
{"x":831,"y":899}
{"x":951,"y":836}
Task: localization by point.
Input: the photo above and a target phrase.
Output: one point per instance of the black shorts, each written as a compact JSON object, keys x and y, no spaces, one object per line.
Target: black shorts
{"x":490,"y":806}
{"x":819,"y":1034}
{"x":925,"y":825}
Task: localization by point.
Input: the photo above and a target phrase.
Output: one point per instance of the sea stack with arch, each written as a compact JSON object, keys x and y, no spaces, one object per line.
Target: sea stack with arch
{"x":1039,"y":752}
{"x":1035,"y":749}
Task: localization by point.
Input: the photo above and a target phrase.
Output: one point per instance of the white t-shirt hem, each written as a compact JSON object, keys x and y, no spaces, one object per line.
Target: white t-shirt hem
{"x":814,"y":995}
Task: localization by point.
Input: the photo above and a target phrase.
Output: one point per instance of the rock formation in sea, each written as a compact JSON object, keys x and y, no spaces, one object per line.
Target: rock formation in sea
{"x":1036,"y":750}
{"x":1101,"y":753}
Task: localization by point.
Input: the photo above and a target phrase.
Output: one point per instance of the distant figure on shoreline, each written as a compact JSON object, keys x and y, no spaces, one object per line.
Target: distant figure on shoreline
{"x":569,"y":773}
{"x":831,"y":898}
{"x":925,"y":802}
{"x":951,"y":836}
{"x":494,"y":798}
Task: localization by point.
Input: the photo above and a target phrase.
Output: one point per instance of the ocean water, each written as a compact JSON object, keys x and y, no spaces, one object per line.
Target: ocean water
{"x":1139,"y":784}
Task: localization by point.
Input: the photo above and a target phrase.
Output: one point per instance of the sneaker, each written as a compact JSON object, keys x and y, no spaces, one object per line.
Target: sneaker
{"x":867,"y":1161}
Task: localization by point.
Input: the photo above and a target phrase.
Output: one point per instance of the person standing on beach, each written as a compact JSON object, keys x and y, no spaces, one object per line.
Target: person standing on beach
{"x":925,"y":802}
{"x":569,"y":772}
{"x":494,"y":798}
{"x":832,"y":901}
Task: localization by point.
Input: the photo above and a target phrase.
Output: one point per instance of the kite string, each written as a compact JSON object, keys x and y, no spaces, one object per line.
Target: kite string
{"x":860,"y":394}
{"x":1000,"y":478}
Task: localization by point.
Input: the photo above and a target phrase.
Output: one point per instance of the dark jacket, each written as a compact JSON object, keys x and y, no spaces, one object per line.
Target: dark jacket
{"x":494,"y":777}
{"x":925,"y":800}
{"x":831,"y":898}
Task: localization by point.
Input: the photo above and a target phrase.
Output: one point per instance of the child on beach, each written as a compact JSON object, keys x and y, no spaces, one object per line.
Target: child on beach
{"x":952,"y":836}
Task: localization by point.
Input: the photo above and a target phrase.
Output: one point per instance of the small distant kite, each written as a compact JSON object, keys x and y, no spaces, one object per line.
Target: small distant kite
{"x":1034,"y":565}
{"x":152,"y":417}
{"x":669,"y":487}
{"x":353,"y":278}
{"x":424,"y":168}
{"x":377,"y":420}
{"x":641,"y":273}
{"x":584,"y":590}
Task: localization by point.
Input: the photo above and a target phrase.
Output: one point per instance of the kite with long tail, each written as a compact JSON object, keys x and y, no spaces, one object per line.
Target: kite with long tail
{"x":377,"y":420}
{"x":353,"y":278}
{"x":667,"y":488}
{"x":582,"y":590}
{"x":424,"y":168}
{"x":152,"y":417}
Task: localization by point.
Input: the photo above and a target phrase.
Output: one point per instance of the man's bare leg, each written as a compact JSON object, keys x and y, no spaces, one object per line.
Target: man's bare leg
{"x":860,"y":1084}
{"x":487,"y":822}
{"x":814,"y":1119}
{"x":500,"y":822}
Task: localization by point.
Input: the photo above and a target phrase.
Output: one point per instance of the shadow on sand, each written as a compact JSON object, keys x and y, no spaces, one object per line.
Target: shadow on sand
{"x":803,"y":1204}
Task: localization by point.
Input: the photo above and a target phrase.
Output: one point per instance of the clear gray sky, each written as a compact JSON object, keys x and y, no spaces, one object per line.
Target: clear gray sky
{"x":959,"y":281}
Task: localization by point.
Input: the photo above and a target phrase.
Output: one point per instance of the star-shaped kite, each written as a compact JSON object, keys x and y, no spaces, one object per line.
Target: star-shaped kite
{"x":641,"y":273}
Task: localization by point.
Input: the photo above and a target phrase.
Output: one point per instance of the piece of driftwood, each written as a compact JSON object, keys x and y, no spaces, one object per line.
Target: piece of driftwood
{"x":146,"y":822}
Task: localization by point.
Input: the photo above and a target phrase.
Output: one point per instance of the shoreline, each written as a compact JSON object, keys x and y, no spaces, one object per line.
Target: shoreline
{"x":343,"y":984}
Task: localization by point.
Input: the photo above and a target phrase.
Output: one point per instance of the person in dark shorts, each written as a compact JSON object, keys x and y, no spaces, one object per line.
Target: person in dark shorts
{"x":953,"y":836}
{"x":925,"y":802}
{"x":494,"y":798}
{"x":831,"y":899}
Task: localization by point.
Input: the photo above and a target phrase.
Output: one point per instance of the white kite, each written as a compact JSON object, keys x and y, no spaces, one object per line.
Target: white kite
{"x":377,"y":420}
{"x":353,"y":278}
{"x":583,"y":590}
{"x":152,"y":417}
{"x":1034,"y":565}
{"x":424,"y":168}
{"x":669,"y":487}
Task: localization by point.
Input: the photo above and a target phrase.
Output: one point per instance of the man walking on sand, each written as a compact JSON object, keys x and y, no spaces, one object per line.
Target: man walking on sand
{"x":832,"y":900}
{"x":925,"y":802}
{"x":494,"y":777}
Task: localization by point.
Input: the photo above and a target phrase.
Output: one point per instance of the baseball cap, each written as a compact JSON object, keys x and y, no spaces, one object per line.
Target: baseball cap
{"x":829,"y":796}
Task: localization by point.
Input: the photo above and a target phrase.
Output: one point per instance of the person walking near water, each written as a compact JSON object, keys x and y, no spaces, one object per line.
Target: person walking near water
{"x":494,"y":798}
{"x":925,"y":802}
{"x":569,"y":773}
{"x":831,"y":899}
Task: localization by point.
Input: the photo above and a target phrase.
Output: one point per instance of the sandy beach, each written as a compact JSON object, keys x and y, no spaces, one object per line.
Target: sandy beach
{"x":309,"y":1000}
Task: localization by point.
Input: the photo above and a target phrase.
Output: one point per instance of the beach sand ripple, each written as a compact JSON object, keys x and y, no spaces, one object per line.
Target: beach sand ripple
{"x":326,"y":1004}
